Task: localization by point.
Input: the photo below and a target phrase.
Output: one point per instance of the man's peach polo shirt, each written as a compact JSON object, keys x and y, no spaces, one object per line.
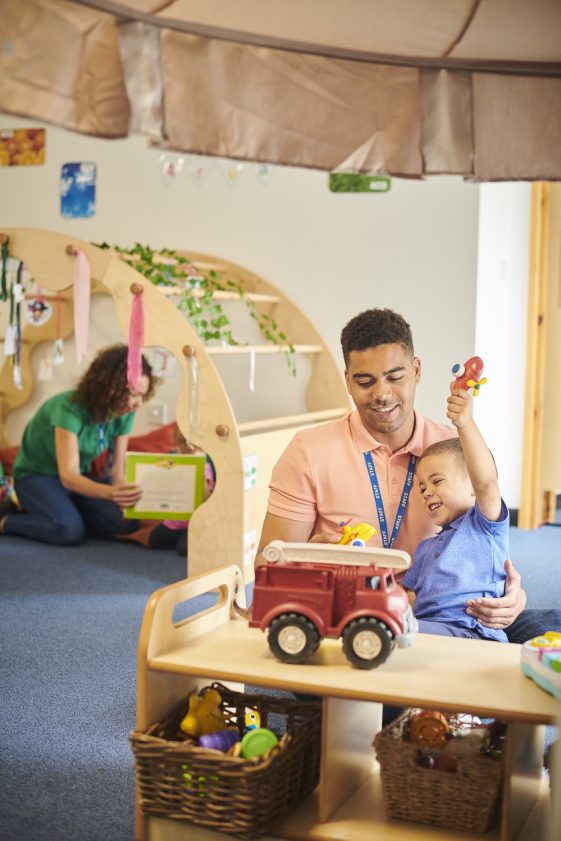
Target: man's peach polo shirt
{"x":322,"y":478}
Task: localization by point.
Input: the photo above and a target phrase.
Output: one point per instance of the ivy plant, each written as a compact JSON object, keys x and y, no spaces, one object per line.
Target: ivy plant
{"x":165,"y":267}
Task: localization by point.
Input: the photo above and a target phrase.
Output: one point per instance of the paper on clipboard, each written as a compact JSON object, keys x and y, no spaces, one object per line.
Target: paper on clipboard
{"x":172,"y":484}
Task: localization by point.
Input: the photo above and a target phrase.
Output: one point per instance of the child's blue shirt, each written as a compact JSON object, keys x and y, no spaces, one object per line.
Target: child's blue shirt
{"x":464,"y":561}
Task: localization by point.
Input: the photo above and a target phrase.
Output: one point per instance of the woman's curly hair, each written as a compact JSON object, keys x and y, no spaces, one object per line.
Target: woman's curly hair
{"x":103,"y":389}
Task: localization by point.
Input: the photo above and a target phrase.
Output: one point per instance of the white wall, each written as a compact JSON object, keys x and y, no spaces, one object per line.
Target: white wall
{"x":411,"y":249}
{"x":501,"y":317}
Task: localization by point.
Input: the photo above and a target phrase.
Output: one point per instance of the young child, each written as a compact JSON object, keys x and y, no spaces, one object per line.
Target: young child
{"x":459,"y":485}
{"x":172,"y":534}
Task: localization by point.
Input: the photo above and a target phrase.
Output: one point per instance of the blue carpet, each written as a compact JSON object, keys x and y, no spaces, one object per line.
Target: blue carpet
{"x":70,"y":619}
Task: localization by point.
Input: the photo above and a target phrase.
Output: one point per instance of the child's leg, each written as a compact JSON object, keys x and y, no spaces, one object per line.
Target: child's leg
{"x":163,"y":538}
{"x":442,"y":629}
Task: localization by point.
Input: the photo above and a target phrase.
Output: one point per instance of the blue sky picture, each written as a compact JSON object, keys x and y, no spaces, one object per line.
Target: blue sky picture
{"x":77,"y":190}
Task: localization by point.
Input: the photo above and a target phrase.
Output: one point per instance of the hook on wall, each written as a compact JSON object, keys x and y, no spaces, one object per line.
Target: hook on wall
{"x":3,"y":238}
{"x":71,"y":250}
{"x":137,"y":288}
{"x":189,"y":350}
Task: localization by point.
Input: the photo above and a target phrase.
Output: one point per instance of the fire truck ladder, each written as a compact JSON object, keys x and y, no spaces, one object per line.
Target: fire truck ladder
{"x":279,"y":550}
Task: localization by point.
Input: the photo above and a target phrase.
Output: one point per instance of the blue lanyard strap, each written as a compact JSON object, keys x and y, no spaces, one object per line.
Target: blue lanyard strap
{"x":379,"y":502}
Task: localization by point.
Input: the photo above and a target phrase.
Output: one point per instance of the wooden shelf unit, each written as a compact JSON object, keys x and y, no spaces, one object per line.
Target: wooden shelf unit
{"x":451,"y":674}
{"x":221,"y":529}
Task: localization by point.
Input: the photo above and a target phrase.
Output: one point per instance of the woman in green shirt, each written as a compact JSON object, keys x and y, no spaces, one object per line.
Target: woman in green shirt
{"x":61,"y":502}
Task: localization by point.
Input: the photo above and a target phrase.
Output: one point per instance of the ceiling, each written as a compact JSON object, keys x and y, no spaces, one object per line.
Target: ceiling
{"x":403,"y":87}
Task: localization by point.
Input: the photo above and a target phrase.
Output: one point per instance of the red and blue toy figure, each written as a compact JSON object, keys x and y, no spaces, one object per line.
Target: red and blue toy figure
{"x":469,"y":375}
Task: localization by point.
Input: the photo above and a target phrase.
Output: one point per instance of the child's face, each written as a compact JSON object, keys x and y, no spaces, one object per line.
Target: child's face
{"x":445,"y":487}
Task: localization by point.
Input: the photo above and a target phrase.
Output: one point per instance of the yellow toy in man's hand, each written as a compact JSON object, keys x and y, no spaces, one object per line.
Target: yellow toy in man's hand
{"x":204,"y":714}
{"x":357,"y":535}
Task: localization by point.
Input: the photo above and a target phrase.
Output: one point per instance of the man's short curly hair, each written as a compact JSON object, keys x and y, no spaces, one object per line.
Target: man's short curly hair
{"x":103,"y":387}
{"x":376,"y":327}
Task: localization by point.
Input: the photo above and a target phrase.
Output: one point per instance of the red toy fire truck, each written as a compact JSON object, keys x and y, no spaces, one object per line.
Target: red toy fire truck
{"x":307,"y":591}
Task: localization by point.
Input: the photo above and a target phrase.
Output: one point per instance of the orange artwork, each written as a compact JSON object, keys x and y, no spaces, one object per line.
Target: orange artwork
{"x":22,"y":147}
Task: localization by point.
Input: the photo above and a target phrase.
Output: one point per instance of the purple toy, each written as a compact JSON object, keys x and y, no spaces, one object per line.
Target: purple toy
{"x":221,"y":740}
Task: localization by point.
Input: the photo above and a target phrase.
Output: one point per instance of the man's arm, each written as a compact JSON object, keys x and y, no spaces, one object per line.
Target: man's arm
{"x":500,"y":613}
{"x":291,"y":531}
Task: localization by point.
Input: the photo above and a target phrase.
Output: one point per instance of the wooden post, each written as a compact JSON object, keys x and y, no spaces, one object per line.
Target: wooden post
{"x":530,"y":514}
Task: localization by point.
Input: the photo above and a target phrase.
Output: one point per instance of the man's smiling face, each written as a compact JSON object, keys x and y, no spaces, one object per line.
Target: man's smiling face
{"x":382,"y":381}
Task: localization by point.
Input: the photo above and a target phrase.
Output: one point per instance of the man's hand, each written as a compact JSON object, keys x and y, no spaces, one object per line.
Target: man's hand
{"x":500,"y":613}
{"x":326,"y":537}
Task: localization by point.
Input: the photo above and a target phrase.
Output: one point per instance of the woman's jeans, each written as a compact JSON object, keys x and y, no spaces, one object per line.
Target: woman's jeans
{"x":53,"y":514}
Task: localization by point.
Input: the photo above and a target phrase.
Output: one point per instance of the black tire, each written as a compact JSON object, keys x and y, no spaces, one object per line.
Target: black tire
{"x":293,"y":638}
{"x":367,"y":643}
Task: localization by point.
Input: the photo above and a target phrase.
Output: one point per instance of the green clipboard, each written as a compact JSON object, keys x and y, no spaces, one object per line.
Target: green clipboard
{"x":172,"y":485}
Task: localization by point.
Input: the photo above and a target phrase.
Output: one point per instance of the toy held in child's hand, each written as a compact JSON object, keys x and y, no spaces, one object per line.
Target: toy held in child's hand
{"x":204,"y":714}
{"x":540,"y":660}
{"x":469,"y":375}
{"x":357,"y":535}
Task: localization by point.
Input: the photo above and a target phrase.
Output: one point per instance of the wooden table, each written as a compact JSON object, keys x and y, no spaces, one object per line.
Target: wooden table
{"x":177,"y":655}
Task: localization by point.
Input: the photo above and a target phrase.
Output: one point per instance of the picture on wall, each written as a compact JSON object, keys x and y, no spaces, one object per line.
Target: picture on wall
{"x":22,"y":147}
{"x":77,"y":190}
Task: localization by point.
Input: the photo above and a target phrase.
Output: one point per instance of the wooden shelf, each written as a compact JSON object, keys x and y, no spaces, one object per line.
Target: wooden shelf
{"x":228,"y":350}
{"x":250,"y":427}
{"x":222,"y":295}
{"x":451,"y":674}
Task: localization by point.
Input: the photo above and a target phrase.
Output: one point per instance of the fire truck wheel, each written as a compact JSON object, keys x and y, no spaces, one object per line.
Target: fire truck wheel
{"x":367,"y":643}
{"x":293,"y":638}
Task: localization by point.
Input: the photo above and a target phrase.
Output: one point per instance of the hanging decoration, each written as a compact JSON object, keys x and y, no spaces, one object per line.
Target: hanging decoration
{"x":171,"y":166}
{"x":38,"y":310}
{"x":81,"y":288}
{"x":231,"y":170}
{"x":5,"y":254}
{"x":263,"y":172}
{"x":199,"y":168}
{"x":58,"y":346}
{"x":194,"y":414}
{"x":252,"y":369}
{"x":136,"y":339}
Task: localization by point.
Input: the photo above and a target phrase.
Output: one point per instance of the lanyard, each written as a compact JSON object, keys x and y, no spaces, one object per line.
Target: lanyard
{"x":379,"y":503}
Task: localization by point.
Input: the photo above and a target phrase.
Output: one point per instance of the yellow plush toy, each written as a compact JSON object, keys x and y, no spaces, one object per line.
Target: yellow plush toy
{"x":204,"y":714}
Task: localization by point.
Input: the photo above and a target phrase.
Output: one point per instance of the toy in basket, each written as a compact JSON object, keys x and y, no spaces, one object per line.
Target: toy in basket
{"x":246,"y":777}
{"x":540,"y":660}
{"x":441,"y":769}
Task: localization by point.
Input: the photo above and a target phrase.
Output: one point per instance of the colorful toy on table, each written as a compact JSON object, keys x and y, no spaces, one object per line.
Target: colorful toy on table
{"x":540,"y":660}
{"x":257,"y":742}
{"x":204,"y":714}
{"x":357,"y":535}
{"x":469,"y":375}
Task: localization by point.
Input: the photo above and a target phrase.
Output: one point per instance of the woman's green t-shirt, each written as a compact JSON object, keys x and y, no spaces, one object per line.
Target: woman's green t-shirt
{"x":37,"y":455}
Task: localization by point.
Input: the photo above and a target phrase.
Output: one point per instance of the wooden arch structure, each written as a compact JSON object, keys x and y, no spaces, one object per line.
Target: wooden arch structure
{"x":217,"y":529}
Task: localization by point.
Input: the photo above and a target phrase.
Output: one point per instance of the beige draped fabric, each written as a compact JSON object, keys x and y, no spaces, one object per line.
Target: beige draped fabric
{"x":404,"y":87}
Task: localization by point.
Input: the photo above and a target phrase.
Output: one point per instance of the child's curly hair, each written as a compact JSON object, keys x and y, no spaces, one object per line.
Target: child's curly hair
{"x":103,"y":389}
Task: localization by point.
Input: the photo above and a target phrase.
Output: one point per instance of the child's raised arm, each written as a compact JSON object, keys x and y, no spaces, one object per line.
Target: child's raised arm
{"x":479,"y":461}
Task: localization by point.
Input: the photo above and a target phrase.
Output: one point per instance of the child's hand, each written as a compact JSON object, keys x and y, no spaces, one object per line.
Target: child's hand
{"x":459,"y":407}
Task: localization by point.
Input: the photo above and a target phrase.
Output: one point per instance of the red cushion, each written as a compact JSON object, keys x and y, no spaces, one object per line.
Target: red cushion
{"x":160,"y":440}
{"x":7,"y":457}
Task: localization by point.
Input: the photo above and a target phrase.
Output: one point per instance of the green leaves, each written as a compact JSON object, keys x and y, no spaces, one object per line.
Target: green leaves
{"x":196,"y":295}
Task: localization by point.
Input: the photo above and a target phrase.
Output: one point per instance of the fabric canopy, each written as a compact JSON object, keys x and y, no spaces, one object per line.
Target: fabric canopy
{"x":400,"y":87}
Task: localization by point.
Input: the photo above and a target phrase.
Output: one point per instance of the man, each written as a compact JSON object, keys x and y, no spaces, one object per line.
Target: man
{"x":363,"y":467}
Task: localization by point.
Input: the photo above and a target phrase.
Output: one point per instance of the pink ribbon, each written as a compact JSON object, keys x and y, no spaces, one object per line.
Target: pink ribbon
{"x":136,"y":340}
{"x":82,"y":283}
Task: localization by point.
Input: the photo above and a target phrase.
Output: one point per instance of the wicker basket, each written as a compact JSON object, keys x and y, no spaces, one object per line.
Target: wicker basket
{"x":243,"y":797}
{"x":466,"y":799}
